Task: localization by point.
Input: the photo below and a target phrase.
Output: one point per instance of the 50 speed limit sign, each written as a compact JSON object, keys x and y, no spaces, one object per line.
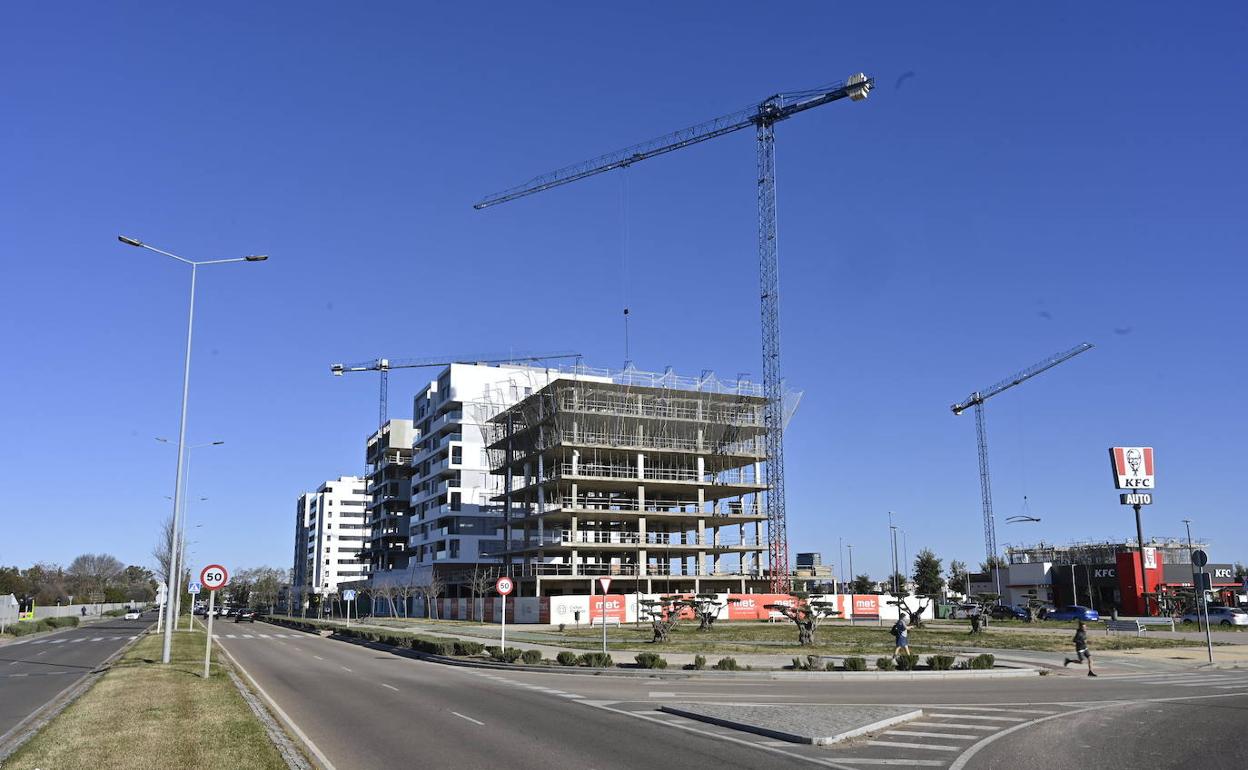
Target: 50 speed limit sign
{"x":504,"y":586}
{"x":214,"y":576}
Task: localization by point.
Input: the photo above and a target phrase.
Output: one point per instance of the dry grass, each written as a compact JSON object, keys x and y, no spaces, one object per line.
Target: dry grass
{"x":143,"y":715}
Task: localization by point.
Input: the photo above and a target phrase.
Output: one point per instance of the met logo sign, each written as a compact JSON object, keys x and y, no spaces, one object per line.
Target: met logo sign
{"x":1133,"y":467}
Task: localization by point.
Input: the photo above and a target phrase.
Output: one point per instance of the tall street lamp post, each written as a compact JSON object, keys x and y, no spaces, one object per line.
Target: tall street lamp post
{"x":174,"y":566}
{"x":186,"y":484}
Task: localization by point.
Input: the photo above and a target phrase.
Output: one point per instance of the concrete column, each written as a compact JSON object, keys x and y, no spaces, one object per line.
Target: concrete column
{"x":576,"y":567}
{"x":574,"y":502}
{"x":702,"y":547}
{"x":641,"y":465}
{"x":701,"y":468}
{"x":576,"y":456}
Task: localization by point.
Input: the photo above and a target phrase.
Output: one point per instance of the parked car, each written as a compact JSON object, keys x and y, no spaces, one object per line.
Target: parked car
{"x":963,"y":611}
{"x":134,"y":614}
{"x":1073,"y":612}
{"x":1004,"y":612}
{"x":1220,"y":616}
{"x":248,"y":615}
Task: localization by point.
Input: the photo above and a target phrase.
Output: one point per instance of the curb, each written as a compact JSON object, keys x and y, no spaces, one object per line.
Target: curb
{"x":26,"y":729}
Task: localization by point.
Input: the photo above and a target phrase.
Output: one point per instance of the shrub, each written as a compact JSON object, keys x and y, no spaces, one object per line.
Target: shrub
{"x":885,"y":664}
{"x":566,"y":658}
{"x":830,"y":666}
{"x":68,"y":621}
{"x":809,"y":663}
{"x":855,"y":664}
{"x":468,"y":648}
{"x":986,"y":660}
{"x":699,"y":663}
{"x":492,"y":649}
{"x":596,"y":660}
{"x":727,"y":664}
{"x":940,"y":662}
{"x":907,"y":662}
{"x":507,"y":656}
{"x":532,"y":657}
{"x":24,"y":628}
{"x":650,"y":660}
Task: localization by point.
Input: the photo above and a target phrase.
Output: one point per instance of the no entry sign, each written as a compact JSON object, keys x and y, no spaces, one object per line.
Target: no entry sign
{"x":214,"y":576}
{"x":504,"y":586}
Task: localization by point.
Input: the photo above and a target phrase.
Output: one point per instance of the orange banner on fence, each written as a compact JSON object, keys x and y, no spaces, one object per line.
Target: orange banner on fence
{"x":615,"y":607}
{"x":866,"y":605}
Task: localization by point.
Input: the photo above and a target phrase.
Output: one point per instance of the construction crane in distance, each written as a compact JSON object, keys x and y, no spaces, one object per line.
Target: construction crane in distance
{"x":977,"y":400}
{"x":384,"y":365}
{"x":763,"y":118}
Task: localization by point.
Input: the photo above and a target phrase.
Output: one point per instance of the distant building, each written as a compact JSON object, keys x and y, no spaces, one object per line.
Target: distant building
{"x":330,"y":533}
{"x":812,"y":576}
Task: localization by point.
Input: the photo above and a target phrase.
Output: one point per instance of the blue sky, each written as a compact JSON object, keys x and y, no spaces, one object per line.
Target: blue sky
{"x":1022,"y":180}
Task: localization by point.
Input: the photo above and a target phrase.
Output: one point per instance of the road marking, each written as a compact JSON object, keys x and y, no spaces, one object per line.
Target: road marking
{"x":1010,"y":709}
{"x":392,"y":687}
{"x":264,"y":636}
{"x":14,"y":663}
{"x":906,"y":762}
{"x":15,"y":676}
{"x":470,"y":719}
{"x":1230,"y":686}
{"x":927,"y":746}
{"x":977,"y":716}
{"x":921,"y":734}
{"x":349,"y":671}
{"x":45,"y":652}
{"x":248,"y":636}
{"x":318,"y":657}
{"x":953,"y":725}
{"x":57,"y":641}
{"x":570,"y":695}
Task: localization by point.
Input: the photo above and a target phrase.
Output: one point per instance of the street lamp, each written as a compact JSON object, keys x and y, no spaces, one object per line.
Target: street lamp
{"x":186,"y":483}
{"x":174,"y":566}
{"x":892,"y":534}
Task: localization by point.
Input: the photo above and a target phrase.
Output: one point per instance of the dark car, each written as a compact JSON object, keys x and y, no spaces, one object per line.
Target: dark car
{"x":248,"y":615}
{"x":1003,"y":612}
{"x":1073,"y":612}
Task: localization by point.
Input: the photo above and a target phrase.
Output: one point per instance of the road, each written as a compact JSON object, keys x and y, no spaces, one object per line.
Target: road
{"x":364,"y":706}
{"x":34,"y":671}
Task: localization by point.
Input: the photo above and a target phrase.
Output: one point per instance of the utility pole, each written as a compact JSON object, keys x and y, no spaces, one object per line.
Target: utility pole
{"x":1204,"y":606}
{"x":892,"y":532}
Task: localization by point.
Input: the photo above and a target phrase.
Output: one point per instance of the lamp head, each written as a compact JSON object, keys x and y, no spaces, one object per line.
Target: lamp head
{"x":256,"y":257}
{"x":129,"y":241}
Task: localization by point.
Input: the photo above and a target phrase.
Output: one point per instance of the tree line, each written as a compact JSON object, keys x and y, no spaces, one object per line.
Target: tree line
{"x":90,"y":578}
{"x":927,"y":576}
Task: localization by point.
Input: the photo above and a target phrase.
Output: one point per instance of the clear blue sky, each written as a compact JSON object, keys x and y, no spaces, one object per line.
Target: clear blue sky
{"x":1023,"y":179}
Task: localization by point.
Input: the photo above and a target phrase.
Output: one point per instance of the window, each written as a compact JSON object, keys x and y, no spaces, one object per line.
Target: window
{"x":456,"y":501}
{"x":457,"y":454}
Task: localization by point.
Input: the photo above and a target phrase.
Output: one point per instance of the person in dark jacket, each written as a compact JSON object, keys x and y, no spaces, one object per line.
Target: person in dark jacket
{"x":1081,"y":648}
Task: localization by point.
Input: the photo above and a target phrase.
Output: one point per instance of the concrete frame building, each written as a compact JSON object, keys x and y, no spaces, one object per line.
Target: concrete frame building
{"x":653,"y":479}
{"x":330,"y":533}
{"x":388,"y":459}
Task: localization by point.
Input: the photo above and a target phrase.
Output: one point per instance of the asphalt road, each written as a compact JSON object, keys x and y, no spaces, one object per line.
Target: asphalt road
{"x":364,"y":707}
{"x":34,"y":671}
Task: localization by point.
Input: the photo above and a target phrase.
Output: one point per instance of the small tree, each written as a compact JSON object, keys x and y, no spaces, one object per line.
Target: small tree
{"x":927,"y":579}
{"x":706,"y":608}
{"x":862,"y":584}
{"x":663,"y":614}
{"x":914,"y":615}
{"x":805,"y":613}
{"x":480,"y":584}
{"x":958,"y":576}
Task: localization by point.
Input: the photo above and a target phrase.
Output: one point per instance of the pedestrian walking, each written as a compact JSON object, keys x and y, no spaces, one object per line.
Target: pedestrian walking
{"x":976,"y":620}
{"x":902,"y":636}
{"x":1081,"y":648}
{"x":84,"y":610}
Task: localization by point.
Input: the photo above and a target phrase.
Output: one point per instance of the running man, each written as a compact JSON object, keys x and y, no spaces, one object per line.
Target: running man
{"x":902,"y":634}
{"x":1081,"y":648}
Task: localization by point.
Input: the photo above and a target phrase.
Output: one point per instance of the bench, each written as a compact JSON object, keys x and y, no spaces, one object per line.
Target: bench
{"x":609,"y":621}
{"x":1138,"y":625}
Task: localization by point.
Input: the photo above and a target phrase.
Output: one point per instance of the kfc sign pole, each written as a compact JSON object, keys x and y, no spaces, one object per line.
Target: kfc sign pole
{"x":1134,"y":471}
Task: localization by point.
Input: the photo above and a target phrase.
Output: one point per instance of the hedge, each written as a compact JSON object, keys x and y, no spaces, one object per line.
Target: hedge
{"x":855,"y":664}
{"x":940,"y":662}
{"x":727,"y":664}
{"x":566,"y":658}
{"x":595,"y":660}
{"x":468,"y":648}
{"x":885,"y":664}
{"x":650,"y":660}
{"x":907,"y":662}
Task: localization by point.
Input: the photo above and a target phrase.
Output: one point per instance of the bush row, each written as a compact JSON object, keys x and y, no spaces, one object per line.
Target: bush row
{"x":27,"y":627}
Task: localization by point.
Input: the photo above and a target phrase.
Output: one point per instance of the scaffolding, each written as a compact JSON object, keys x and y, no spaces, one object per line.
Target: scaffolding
{"x":1170,"y":550}
{"x":651,"y":477}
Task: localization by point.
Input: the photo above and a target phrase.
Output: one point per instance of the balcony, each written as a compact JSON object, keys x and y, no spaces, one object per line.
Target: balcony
{"x":570,"y":539}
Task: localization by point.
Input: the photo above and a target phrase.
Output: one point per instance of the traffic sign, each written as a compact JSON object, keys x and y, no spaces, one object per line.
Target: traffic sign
{"x":1204,"y":581}
{"x":214,"y":576}
{"x":504,"y":585}
{"x":1200,"y":558}
{"x":605,"y":582}
{"x":348,"y":595}
{"x":193,"y":587}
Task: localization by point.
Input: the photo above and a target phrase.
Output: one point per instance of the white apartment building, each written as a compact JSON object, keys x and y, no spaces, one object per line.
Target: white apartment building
{"x":331,"y":531}
{"x":456,"y":521}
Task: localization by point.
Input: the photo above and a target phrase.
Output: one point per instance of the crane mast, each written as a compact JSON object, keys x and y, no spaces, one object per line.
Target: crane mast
{"x":763,"y":117}
{"x":976,"y":401}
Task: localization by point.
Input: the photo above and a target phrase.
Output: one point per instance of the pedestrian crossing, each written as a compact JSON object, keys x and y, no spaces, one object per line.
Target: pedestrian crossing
{"x":260,"y":636}
{"x":484,"y":674}
{"x":75,"y":640}
{"x":1215,"y":679}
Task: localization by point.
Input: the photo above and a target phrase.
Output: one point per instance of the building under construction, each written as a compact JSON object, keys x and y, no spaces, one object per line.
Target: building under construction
{"x":651,"y":479}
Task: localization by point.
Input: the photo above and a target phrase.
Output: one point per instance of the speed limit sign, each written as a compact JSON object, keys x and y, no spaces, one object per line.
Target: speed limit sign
{"x":214,"y":576}
{"x":504,"y":586}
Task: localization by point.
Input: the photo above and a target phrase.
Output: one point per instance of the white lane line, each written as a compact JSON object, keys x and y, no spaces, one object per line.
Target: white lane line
{"x":264,"y":636}
{"x":14,"y":663}
{"x":470,"y":719}
{"x":571,"y":695}
{"x":1008,"y":709}
{"x":906,"y":762}
{"x":349,"y":671}
{"x":392,"y":687}
{"x":248,"y":636}
{"x":1229,"y":686}
{"x":57,"y":641}
{"x":921,"y":734}
{"x":318,"y":657}
{"x":977,"y":716}
{"x":925,"y":746}
{"x":229,"y":636}
{"x":98,"y":639}
{"x":953,"y":726}
{"x":45,"y":652}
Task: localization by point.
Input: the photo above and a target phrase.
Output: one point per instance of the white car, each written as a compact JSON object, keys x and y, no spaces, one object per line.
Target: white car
{"x":134,"y":614}
{"x":1219,"y":616}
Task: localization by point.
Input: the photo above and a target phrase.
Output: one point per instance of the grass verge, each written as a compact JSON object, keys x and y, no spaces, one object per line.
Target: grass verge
{"x":142,"y":714}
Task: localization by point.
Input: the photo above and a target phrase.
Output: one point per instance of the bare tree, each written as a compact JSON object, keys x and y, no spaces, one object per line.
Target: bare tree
{"x":430,"y":588}
{"x":663,"y":614}
{"x":163,"y":550}
{"x":93,"y":573}
{"x":480,"y":583}
{"x":805,"y":613}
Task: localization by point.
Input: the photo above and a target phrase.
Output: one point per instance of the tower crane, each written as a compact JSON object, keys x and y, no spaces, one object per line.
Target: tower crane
{"x":976,"y":400}
{"x":383,"y":366}
{"x":763,"y":118}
